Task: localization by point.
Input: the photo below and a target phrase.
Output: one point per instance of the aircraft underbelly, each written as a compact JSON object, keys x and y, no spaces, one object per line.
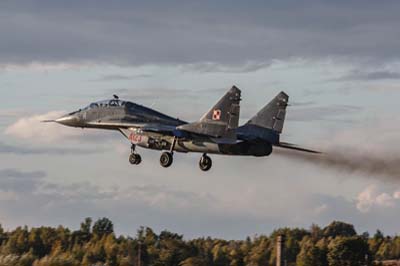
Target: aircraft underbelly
{"x":157,"y":141}
{"x":198,"y":146}
{"x":184,"y":146}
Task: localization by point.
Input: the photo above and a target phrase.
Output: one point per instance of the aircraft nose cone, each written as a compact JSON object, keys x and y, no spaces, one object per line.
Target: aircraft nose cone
{"x":68,"y":120}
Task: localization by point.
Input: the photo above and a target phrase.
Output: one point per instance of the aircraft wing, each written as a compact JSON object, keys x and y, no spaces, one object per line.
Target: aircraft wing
{"x":291,"y":146}
{"x":161,"y":128}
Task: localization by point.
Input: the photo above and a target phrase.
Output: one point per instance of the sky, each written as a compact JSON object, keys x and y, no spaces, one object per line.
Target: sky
{"x":338,"y":60}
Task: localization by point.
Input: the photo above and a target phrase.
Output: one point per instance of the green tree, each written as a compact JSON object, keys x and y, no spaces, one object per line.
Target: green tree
{"x":86,"y":225}
{"x":337,"y":228}
{"x":349,"y":251}
{"x":311,"y":254}
{"x":103,"y":227}
{"x":36,"y":243}
{"x":260,"y":253}
{"x":220,"y":257}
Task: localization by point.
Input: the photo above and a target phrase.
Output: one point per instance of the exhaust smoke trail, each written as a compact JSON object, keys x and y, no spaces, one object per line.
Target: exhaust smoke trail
{"x":351,"y":161}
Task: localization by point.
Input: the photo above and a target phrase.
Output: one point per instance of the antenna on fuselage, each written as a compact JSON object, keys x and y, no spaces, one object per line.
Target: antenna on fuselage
{"x":116,"y":97}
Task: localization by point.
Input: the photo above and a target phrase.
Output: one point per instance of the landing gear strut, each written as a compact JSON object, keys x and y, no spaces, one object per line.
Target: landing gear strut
{"x":134,"y":158}
{"x":167,"y":158}
{"x":205,"y":162}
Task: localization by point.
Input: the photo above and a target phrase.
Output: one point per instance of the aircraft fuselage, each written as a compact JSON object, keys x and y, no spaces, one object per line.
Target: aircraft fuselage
{"x":130,"y":119}
{"x":216,"y":132}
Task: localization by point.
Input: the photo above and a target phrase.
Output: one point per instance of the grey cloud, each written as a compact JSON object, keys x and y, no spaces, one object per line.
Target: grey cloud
{"x":151,"y":93}
{"x":322,"y":113}
{"x":134,"y":33}
{"x":216,"y":67}
{"x":14,"y":173}
{"x":27,"y":150}
{"x":375,"y":75}
{"x":16,"y":180}
{"x":40,"y":201}
{"x":117,"y":77}
{"x":308,"y":103}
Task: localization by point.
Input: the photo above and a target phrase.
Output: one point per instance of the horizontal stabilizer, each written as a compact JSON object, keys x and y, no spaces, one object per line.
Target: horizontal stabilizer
{"x":295,"y":147}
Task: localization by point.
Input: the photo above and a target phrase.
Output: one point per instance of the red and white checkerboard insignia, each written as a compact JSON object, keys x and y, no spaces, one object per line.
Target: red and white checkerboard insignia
{"x":216,"y":114}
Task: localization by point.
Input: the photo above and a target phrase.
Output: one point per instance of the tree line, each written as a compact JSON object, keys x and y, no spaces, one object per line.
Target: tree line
{"x":95,"y":243}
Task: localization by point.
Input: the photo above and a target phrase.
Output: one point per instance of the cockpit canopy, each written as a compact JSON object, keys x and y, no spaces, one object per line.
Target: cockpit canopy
{"x":107,"y":103}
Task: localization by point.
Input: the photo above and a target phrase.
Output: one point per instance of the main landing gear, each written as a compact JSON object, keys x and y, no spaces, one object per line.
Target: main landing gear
{"x":167,"y":158}
{"x":205,"y":163}
{"x":134,"y":158}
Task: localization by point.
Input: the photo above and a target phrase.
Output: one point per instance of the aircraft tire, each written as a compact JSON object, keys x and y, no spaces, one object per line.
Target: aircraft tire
{"x":166,"y":159}
{"x":135,"y":158}
{"x":138,"y":159}
{"x":205,"y":163}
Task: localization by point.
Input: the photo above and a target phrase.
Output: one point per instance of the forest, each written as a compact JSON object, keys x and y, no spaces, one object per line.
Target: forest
{"x":95,"y":243}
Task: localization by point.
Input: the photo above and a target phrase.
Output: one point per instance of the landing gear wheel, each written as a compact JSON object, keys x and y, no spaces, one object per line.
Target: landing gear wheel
{"x":135,"y":158}
{"x":205,"y":163}
{"x":166,"y":159}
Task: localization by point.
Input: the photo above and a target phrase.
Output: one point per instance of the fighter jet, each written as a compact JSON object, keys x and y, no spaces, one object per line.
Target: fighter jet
{"x":216,"y":132}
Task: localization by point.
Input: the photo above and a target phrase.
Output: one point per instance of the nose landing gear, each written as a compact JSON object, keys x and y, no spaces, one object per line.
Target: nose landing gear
{"x":134,"y":158}
{"x":205,"y":162}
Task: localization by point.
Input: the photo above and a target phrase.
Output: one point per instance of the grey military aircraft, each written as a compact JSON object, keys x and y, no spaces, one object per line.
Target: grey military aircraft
{"x":217,"y":131}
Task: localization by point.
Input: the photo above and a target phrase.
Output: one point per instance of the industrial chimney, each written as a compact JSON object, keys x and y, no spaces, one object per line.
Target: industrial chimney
{"x":280,"y":251}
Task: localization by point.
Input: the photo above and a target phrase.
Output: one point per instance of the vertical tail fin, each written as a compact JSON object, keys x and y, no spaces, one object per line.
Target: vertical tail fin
{"x":221,"y":119}
{"x":273,"y":114}
{"x":226,"y":110}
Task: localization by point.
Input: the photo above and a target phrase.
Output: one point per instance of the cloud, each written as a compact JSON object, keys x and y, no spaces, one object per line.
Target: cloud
{"x":13,"y":181}
{"x":11,"y":113}
{"x":35,"y":150}
{"x":220,"y":68}
{"x":16,"y":174}
{"x":371,"y":76}
{"x":29,"y":198}
{"x":396,"y":195}
{"x":370,"y":197}
{"x":38,"y":138}
{"x":42,"y":66}
{"x":137,"y":32}
{"x":332,"y":112}
{"x":31,"y":128}
{"x":117,"y":77}
{"x":34,"y":198}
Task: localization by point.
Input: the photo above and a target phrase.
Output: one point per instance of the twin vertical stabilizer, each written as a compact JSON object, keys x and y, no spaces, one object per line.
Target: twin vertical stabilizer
{"x":221,"y":120}
{"x":272,"y":116}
